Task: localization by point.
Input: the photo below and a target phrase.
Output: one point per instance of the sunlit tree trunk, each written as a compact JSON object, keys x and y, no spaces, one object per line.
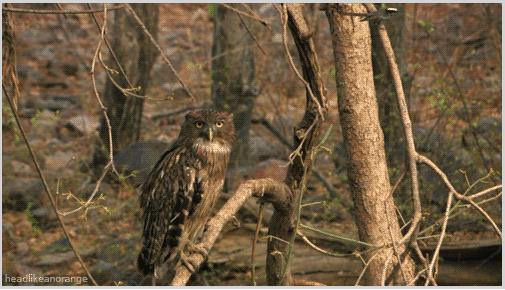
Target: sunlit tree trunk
{"x":367,"y":171}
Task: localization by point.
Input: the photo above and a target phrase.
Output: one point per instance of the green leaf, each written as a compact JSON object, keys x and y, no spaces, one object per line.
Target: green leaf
{"x":212,"y":10}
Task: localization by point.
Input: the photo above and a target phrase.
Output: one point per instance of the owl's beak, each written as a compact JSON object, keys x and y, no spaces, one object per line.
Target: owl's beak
{"x":210,"y":134}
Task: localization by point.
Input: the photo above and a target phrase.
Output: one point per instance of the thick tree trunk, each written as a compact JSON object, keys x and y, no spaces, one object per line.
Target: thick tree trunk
{"x":233,"y":75}
{"x":367,"y":168}
{"x":136,"y":55}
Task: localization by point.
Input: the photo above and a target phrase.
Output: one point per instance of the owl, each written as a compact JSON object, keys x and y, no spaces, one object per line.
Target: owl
{"x":181,"y":190}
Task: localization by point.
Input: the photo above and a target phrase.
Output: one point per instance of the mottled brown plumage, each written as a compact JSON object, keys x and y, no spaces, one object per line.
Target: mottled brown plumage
{"x":179,"y":194}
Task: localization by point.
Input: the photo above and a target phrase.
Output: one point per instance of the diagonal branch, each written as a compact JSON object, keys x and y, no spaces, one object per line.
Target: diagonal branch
{"x":458,"y":195}
{"x":255,"y":17}
{"x":407,"y":127}
{"x":267,"y":189}
{"x":46,"y":187}
{"x":162,"y":53}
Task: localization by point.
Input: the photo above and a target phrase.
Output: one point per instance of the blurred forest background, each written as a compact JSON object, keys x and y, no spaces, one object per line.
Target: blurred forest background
{"x":451,"y":61}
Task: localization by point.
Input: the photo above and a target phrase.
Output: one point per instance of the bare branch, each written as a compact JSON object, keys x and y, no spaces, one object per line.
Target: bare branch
{"x":337,"y":237}
{"x":267,"y":189}
{"x":386,"y":267}
{"x":320,"y":250}
{"x":440,"y":240}
{"x":162,"y":53}
{"x":97,"y":95}
{"x":262,"y":121}
{"x":46,"y":187}
{"x":459,"y":196}
{"x":364,"y":268}
{"x":303,"y":33}
{"x":407,"y":126}
{"x":255,"y":17}
{"x":300,"y":282}
{"x":37,"y":11}
{"x":251,"y":34}
{"x":484,"y":192}
{"x":253,"y":248}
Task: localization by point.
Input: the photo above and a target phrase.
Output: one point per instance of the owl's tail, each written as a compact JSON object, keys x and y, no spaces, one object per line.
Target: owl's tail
{"x":143,"y":264}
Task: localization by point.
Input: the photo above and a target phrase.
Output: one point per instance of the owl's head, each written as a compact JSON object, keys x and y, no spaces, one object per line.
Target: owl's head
{"x":209,"y":130}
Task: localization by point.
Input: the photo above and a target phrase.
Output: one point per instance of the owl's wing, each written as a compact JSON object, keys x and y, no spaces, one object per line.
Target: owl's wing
{"x":166,"y":198}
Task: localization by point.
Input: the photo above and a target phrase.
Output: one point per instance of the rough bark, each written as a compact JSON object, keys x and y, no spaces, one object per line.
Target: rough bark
{"x":364,"y":141}
{"x":282,"y":222}
{"x":233,"y":75}
{"x":136,"y":55}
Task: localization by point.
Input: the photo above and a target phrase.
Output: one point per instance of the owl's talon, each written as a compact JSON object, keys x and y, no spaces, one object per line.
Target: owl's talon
{"x":197,"y":248}
{"x":188,"y":263}
{"x":154,"y":276}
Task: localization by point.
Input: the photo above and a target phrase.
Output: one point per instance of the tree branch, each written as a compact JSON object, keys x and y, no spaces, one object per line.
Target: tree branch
{"x":269,"y":190}
{"x":255,"y":17}
{"x":458,"y":195}
{"x":407,"y":126}
{"x":37,"y":11}
{"x":162,"y":53}
{"x":46,"y":187}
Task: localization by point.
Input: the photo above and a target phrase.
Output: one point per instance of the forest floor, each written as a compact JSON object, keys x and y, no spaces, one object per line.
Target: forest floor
{"x":60,"y":115}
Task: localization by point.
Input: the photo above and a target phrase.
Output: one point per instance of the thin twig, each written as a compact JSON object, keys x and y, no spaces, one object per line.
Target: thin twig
{"x":110,"y":72}
{"x":365,"y":267}
{"x":162,"y":53}
{"x":418,"y":275}
{"x":393,"y":242}
{"x":9,"y":56}
{"x":459,"y":196}
{"x":284,"y":16}
{"x":46,"y":187}
{"x":97,"y":95}
{"x":255,"y":17}
{"x":251,"y":34}
{"x":490,"y":199}
{"x":298,"y":208}
{"x":89,"y":201}
{"x":110,"y":165}
{"x":440,"y":240}
{"x":323,"y":251}
{"x":301,"y":282}
{"x":67,"y":35}
{"x":486,"y":191}
{"x":407,"y":127}
{"x":457,"y":204}
{"x":38,"y":11}
{"x":111,"y":51}
{"x":337,"y":237}
{"x":467,"y":113}
{"x":255,"y":240}
{"x":331,"y":189}
{"x":385,"y":269}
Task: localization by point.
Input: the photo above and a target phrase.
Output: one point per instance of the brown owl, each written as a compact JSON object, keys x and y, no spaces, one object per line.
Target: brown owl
{"x":180,"y":192}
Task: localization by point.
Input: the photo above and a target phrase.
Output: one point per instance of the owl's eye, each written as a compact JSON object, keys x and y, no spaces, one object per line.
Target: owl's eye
{"x":219,"y":124}
{"x":199,"y":124}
